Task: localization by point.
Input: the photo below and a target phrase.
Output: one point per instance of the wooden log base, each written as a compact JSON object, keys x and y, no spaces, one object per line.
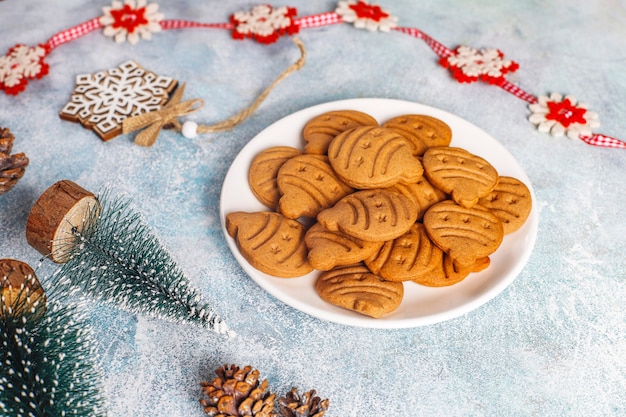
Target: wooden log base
{"x":62,"y":209}
{"x":20,"y":290}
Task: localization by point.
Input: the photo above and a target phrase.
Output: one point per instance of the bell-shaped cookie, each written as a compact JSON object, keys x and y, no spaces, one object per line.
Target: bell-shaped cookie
{"x":356,"y":288}
{"x":263,"y":171}
{"x":373,"y":215}
{"x":308,"y":185}
{"x":270,"y":242}
{"x":373,"y":157}
{"x":320,"y":130}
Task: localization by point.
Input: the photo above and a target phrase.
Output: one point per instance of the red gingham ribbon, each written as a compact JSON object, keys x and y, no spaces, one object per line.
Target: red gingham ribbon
{"x":603,"y":141}
{"x":318,"y":20}
{"x":440,"y":49}
{"x":72,"y":33}
{"x":186,"y":24}
{"x":517,"y":92}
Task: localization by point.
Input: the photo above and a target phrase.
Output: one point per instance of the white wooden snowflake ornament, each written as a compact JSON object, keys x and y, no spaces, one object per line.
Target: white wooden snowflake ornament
{"x":131,"y":20}
{"x":560,"y":116}
{"x":366,"y":16}
{"x":102,"y":101}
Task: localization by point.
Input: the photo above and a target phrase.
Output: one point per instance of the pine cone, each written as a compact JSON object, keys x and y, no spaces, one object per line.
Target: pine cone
{"x":12,"y":167}
{"x":237,"y":392}
{"x":305,"y":405}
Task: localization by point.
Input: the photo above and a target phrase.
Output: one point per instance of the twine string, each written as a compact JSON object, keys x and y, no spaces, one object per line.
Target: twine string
{"x":245,"y":113}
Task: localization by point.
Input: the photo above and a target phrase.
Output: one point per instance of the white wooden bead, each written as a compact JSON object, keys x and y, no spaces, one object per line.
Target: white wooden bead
{"x":190,"y":129}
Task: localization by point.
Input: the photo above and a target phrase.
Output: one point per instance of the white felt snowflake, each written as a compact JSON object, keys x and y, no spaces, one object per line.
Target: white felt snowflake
{"x":264,"y":23}
{"x":366,"y":16}
{"x":20,"y":64}
{"x":102,"y":101}
{"x":131,"y":20}
{"x":563,"y":116}
{"x":468,"y":65}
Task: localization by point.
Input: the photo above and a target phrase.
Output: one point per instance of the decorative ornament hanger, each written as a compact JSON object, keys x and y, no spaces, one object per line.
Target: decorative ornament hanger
{"x":137,"y":19}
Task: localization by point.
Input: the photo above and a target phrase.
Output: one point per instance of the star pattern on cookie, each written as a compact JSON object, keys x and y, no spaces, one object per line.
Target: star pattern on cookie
{"x":468,"y":65}
{"x":130,"y":21}
{"x":366,"y":16}
{"x":102,"y":101}
{"x":560,"y":116}
{"x":20,"y":64}
{"x":264,"y":23}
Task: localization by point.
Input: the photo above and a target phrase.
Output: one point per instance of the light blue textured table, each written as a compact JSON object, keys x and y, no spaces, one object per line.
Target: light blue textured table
{"x":552,"y":344}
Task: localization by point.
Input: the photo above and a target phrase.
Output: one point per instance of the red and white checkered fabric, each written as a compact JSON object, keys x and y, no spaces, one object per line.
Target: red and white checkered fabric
{"x":72,"y":33}
{"x":517,"y":92}
{"x":318,"y":20}
{"x":440,"y":49}
{"x":603,"y":141}
{"x":186,"y":24}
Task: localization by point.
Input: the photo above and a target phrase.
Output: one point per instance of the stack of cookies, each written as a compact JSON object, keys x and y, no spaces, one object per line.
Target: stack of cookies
{"x":375,"y":205}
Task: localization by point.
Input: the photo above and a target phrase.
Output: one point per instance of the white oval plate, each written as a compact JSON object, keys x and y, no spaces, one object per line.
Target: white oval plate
{"x":421,"y":305}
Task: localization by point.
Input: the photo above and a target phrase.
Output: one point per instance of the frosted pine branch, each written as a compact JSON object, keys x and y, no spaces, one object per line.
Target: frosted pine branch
{"x":118,"y":260}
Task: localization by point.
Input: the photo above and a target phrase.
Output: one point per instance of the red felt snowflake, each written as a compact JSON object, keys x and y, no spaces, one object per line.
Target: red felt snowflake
{"x":468,"y":65}
{"x":560,"y":116}
{"x":264,"y":23}
{"x":131,"y":20}
{"x":366,"y":16}
{"x":20,"y":64}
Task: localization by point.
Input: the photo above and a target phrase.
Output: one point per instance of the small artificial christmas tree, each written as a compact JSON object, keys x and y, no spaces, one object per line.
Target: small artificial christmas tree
{"x":108,"y":253}
{"x":46,"y":351}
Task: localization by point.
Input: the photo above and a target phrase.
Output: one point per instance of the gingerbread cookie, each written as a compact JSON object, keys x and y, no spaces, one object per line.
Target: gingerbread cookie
{"x":102,"y":101}
{"x":510,"y":201}
{"x":330,"y":249}
{"x":373,"y":215}
{"x":448,"y":272}
{"x":407,"y":257}
{"x":263,"y":171}
{"x":356,"y":288}
{"x":308,"y":185}
{"x":373,"y":157}
{"x":423,"y":194}
{"x":422,"y":130}
{"x":320,"y":130}
{"x":463,"y":175}
{"x":465,"y":234}
{"x":270,"y":242}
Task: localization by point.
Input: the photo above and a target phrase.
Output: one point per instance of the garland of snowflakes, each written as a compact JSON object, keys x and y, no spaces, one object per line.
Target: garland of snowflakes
{"x":137,"y":19}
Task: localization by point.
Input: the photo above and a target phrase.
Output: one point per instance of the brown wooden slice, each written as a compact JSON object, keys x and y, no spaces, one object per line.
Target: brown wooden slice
{"x":62,"y":210}
{"x":356,"y":288}
{"x":21,"y":292}
{"x":322,"y":129}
